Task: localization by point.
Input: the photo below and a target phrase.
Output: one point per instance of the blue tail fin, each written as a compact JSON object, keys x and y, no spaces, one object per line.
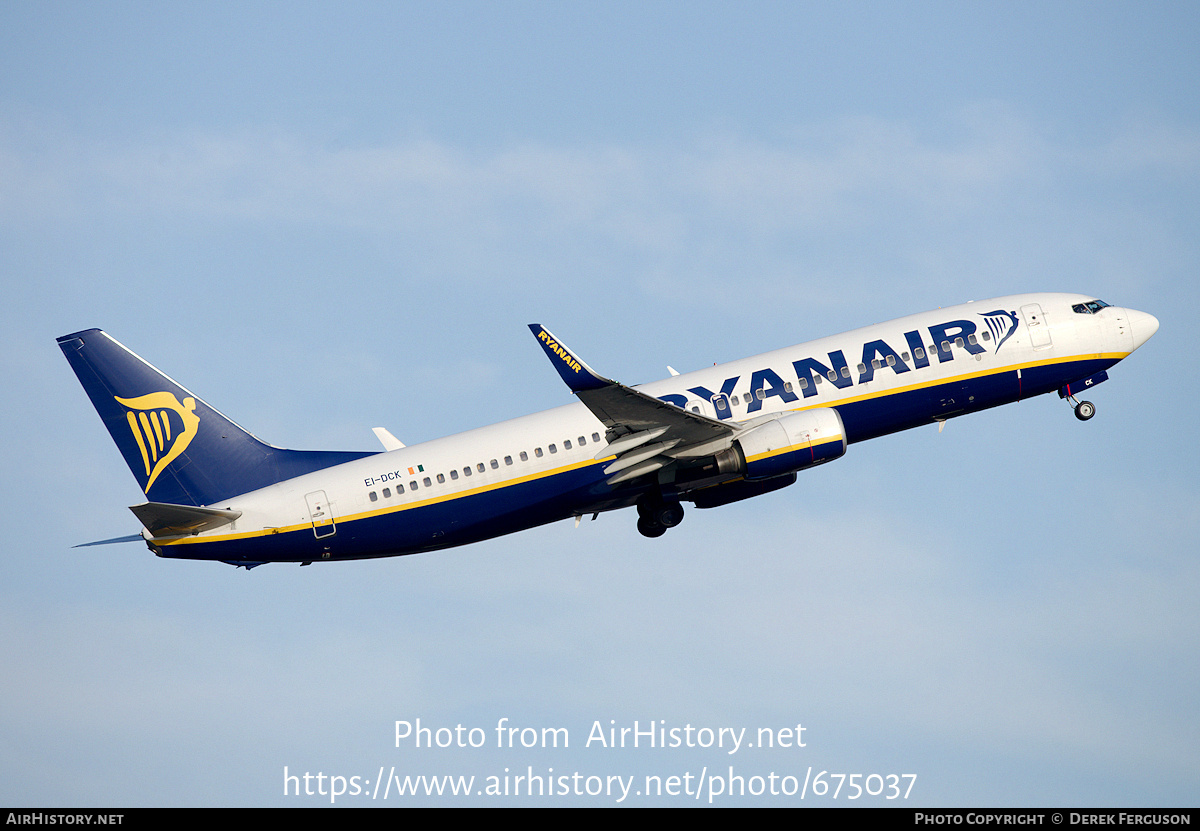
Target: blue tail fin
{"x":180,"y":450}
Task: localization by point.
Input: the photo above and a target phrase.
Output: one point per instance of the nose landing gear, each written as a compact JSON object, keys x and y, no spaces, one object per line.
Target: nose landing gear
{"x":1083,"y":409}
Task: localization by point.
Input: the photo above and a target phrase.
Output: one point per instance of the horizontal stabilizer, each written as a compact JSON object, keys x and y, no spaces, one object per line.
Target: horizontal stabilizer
{"x":126,"y":538}
{"x":163,"y":519}
{"x":385,"y":437}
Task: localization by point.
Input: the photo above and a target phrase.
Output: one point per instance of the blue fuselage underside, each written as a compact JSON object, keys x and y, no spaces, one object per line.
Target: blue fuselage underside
{"x":504,"y":510}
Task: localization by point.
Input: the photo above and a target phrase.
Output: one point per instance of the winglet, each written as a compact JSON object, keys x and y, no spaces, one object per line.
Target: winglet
{"x":578,"y":375}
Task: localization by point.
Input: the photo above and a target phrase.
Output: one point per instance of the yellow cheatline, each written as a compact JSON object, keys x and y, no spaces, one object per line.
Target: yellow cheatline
{"x":342,"y":520}
{"x":793,"y":447}
{"x":193,"y":540}
{"x":827,"y":402}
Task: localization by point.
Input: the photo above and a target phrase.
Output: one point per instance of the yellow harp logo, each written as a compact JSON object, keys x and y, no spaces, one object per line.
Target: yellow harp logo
{"x":150,"y":421}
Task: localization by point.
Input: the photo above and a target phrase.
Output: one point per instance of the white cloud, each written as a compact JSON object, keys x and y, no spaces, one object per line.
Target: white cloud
{"x":826,"y":173}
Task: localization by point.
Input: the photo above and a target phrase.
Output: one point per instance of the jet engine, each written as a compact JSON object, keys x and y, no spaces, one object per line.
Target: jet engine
{"x":784,"y":445}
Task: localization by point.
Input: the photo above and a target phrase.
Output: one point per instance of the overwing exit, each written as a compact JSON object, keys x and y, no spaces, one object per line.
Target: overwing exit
{"x":710,"y":437}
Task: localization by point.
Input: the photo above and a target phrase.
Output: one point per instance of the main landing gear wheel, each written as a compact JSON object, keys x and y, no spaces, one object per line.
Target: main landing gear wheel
{"x":649,"y":528}
{"x":1085,"y":410}
{"x":655,"y":517}
{"x":669,"y":515}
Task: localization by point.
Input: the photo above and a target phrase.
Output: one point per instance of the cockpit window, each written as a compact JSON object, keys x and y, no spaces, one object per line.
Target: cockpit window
{"x":1089,"y":308}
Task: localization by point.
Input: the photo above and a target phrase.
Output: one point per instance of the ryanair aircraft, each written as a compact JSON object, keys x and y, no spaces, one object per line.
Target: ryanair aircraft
{"x":709,"y":437}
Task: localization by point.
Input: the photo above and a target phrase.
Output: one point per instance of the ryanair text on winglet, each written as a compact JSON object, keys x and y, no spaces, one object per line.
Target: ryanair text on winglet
{"x":559,"y":350}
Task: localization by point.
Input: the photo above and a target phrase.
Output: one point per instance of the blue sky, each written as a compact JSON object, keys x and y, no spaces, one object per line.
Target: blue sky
{"x":326,"y":218}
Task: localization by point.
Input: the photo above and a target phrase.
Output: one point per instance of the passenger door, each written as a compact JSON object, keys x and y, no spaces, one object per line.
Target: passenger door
{"x":1039,"y":332}
{"x":320,"y":514}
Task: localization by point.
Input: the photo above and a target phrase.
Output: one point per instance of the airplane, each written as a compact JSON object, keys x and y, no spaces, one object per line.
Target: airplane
{"x":710,"y":437}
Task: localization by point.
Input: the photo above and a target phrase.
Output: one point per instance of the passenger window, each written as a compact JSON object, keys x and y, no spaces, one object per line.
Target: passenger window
{"x":480,"y":467}
{"x":467,"y":470}
{"x":495,"y":465}
{"x":787,"y":386}
{"x":735,"y":400}
{"x":524,"y":456}
{"x":760,"y":395}
{"x":920,"y":353}
{"x":845,"y":372}
{"x":426,"y":482}
{"x":454,"y":475}
{"x":553,"y":449}
{"x":875,"y":364}
{"x":863,"y":368}
{"x":537,"y":451}
{"x":567,"y":444}
{"x":374,"y":496}
{"x":412,"y":486}
{"x":441,"y":478}
{"x":508,"y":460}
{"x":387,"y":493}
{"x":582,"y":441}
{"x":832,"y":375}
{"x":904,"y":357}
{"x":399,"y":489}
{"x":891,"y":360}
{"x":595,"y":437}
{"x":987,"y":335}
{"x":971,"y":339}
{"x":958,"y":342}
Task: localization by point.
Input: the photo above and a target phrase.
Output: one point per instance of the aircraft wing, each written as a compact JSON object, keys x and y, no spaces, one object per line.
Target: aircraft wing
{"x":637,"y":423}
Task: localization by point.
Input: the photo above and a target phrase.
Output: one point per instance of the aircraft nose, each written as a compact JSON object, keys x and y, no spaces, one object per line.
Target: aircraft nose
{"x":1142,"y":325}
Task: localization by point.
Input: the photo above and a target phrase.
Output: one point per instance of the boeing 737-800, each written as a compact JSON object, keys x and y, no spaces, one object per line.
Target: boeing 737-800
{"x":710,"y":437}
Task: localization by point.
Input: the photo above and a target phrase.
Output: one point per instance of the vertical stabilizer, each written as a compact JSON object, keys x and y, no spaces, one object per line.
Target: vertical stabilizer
{"x":180,"y":450}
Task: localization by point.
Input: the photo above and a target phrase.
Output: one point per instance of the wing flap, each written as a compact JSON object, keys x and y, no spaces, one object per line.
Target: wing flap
{"x":629,"y":442}
{"x":640,"y":469}
{"x":632,"y":457}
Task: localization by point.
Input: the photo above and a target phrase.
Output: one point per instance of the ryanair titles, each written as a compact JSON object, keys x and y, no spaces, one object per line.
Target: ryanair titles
{"x":877,"y":356}
{"x":559,"y":350}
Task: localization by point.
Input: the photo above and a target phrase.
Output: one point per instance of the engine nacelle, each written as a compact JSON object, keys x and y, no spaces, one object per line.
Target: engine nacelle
{"x":792,"y":442}
{"x":719,"y":495}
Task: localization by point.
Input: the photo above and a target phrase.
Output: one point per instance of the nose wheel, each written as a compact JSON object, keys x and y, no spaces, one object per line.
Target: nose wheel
{"x":1083,"y":409}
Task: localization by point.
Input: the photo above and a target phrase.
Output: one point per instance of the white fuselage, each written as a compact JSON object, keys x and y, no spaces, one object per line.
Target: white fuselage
{"x":550,"y":465}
